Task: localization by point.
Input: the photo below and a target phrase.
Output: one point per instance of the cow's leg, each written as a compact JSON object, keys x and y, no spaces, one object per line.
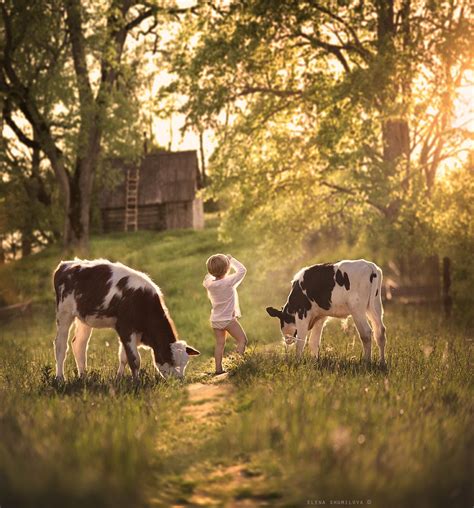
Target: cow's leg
{"x":79,"y":343}
{"x":131,"y":350}
{"x":63,"y":322}
{"x":315,"y":336}
{"x":365,"y":334}
{"x":376,"y":318}
{"x":122,"y":361}
{"x":301,"y":333}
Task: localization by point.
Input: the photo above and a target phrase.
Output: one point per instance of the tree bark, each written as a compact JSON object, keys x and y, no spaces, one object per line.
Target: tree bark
{"x":92,"y":112}
{"x":202,"y":177}
{"x":26,"y":243}
{"x":81,"y":190}
{"x":395,"y":130}
{"x":396,"y":140}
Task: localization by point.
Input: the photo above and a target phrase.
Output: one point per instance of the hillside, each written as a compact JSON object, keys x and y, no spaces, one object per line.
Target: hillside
{"x":275,"y":433}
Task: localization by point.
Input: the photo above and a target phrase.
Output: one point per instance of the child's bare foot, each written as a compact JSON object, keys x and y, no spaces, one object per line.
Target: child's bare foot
{"x":219,"y":372}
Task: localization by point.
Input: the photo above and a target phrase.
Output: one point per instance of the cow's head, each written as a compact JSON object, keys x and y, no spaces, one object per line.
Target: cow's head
{"x":287,"y":322}
{"x":181,"y":353}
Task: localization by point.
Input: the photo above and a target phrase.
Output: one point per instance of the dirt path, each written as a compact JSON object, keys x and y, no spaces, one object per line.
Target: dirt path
{"x":237,"y":485}
{"x":204,"y":400}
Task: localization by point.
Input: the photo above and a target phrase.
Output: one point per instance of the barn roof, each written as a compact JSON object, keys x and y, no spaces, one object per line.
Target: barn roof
{"x":165,"y":177}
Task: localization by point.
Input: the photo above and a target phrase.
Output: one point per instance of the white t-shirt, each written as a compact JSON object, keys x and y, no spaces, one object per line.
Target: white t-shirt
{"x":223,"y":292}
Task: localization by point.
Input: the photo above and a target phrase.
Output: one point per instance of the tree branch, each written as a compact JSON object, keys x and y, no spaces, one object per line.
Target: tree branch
{"x":30,"y":143}
{"x":354,"y":192}
{"x":331,"y":48}
{"x":74,"y":23}
{"x":153,"y":10}
{"x":20,"y":96}
{"x":343,"y":22}
{"x":272,"y":91}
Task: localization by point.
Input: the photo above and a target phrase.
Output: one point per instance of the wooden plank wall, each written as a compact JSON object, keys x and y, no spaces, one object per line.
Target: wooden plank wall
{"x":151,"y":217}
{"x":179,"y":215}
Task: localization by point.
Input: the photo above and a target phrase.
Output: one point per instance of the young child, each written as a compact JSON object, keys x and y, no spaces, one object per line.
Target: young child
{"x":222,"y":291}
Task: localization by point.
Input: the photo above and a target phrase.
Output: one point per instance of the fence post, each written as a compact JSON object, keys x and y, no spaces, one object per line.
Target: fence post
{"x":447,"y":300}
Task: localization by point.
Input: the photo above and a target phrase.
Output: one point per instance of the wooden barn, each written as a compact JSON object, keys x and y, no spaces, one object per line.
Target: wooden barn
{"x":158,"y":193}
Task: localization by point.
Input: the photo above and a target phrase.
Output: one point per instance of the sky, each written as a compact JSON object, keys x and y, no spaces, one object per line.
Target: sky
{"x":464,"y":106}
{"x":167,"y":132}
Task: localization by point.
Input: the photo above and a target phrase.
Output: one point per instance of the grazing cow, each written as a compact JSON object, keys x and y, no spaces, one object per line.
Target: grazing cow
{"x":101,"y":294}
{"x":333,"y":290}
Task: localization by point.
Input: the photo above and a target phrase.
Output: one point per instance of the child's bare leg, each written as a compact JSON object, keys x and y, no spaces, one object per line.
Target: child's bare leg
{"x":219,"y":349}
{"x":236,"y":330}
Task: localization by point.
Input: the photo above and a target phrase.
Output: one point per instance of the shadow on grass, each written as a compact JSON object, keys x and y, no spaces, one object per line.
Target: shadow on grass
{"x":259,"y":364}
{"x":348,"y":366}
{"x":96,"y":383}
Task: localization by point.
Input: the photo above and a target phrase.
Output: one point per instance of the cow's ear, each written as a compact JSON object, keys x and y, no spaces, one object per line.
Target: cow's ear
{"x":273,"y":312}
{"x":191,"y":351}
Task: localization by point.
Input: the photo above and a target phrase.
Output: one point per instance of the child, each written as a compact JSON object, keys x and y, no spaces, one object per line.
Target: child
{"x":222,"y":291}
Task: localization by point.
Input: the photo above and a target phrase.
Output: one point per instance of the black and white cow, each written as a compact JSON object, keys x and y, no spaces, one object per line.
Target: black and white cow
{"x":346,"y":288}
{"x":101,"y":294}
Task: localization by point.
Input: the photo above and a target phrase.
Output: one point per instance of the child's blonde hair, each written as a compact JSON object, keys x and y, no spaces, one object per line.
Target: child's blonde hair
{"x":218,"y":265}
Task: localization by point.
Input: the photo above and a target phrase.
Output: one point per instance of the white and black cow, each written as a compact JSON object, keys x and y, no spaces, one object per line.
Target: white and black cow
{"x":101,"y":294}
{"x":346,"y":288}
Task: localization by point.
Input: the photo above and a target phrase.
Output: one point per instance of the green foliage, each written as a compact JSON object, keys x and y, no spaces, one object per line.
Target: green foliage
{"x":454,"y":227}
{"x":328,"y":116}
{"x":29,"y":200}
{"x":72,"y":81}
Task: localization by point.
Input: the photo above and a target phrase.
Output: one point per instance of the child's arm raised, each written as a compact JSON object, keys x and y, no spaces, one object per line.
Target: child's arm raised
{"x":236,"y":278}
{"x":207,"y":280}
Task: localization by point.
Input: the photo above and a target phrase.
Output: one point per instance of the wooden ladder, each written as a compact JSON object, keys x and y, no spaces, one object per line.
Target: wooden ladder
{"x":131,"y":199}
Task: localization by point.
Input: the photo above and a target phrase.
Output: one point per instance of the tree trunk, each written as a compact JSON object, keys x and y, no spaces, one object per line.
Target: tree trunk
{"x":396,"y":140}
{"x":202,"y":175}
{"x":26,"y":243}
{"x":78,"y":219}
{"x":75,"y":186}
{"x":395,"y":130}
{"x":81,"y":190}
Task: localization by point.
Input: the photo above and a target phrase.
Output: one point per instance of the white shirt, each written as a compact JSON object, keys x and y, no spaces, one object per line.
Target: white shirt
{"x":223,"y":292}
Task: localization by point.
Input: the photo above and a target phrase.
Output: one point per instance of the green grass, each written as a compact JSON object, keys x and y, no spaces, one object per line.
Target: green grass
{"x":297,"y":432}
{"x":336,"y":428}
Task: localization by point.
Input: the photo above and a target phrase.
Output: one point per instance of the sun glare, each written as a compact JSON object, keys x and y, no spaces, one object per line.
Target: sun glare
{"x":464,"y":106}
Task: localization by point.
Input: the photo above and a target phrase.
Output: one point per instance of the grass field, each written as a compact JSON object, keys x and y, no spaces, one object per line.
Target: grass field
{"x":275,"y":433}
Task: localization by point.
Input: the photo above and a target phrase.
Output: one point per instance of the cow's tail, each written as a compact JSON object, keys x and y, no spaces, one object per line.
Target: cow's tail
{"x":375,"y":297}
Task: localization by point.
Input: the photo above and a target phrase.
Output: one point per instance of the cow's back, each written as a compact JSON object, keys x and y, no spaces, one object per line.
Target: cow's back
{"x":354,"y":280}
{"x":104,"y":294}
{"x":88,"y":283}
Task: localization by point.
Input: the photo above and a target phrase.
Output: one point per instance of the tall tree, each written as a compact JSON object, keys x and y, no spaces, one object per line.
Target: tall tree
{"x":326,"y":111}
{"x":61,"y":64}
